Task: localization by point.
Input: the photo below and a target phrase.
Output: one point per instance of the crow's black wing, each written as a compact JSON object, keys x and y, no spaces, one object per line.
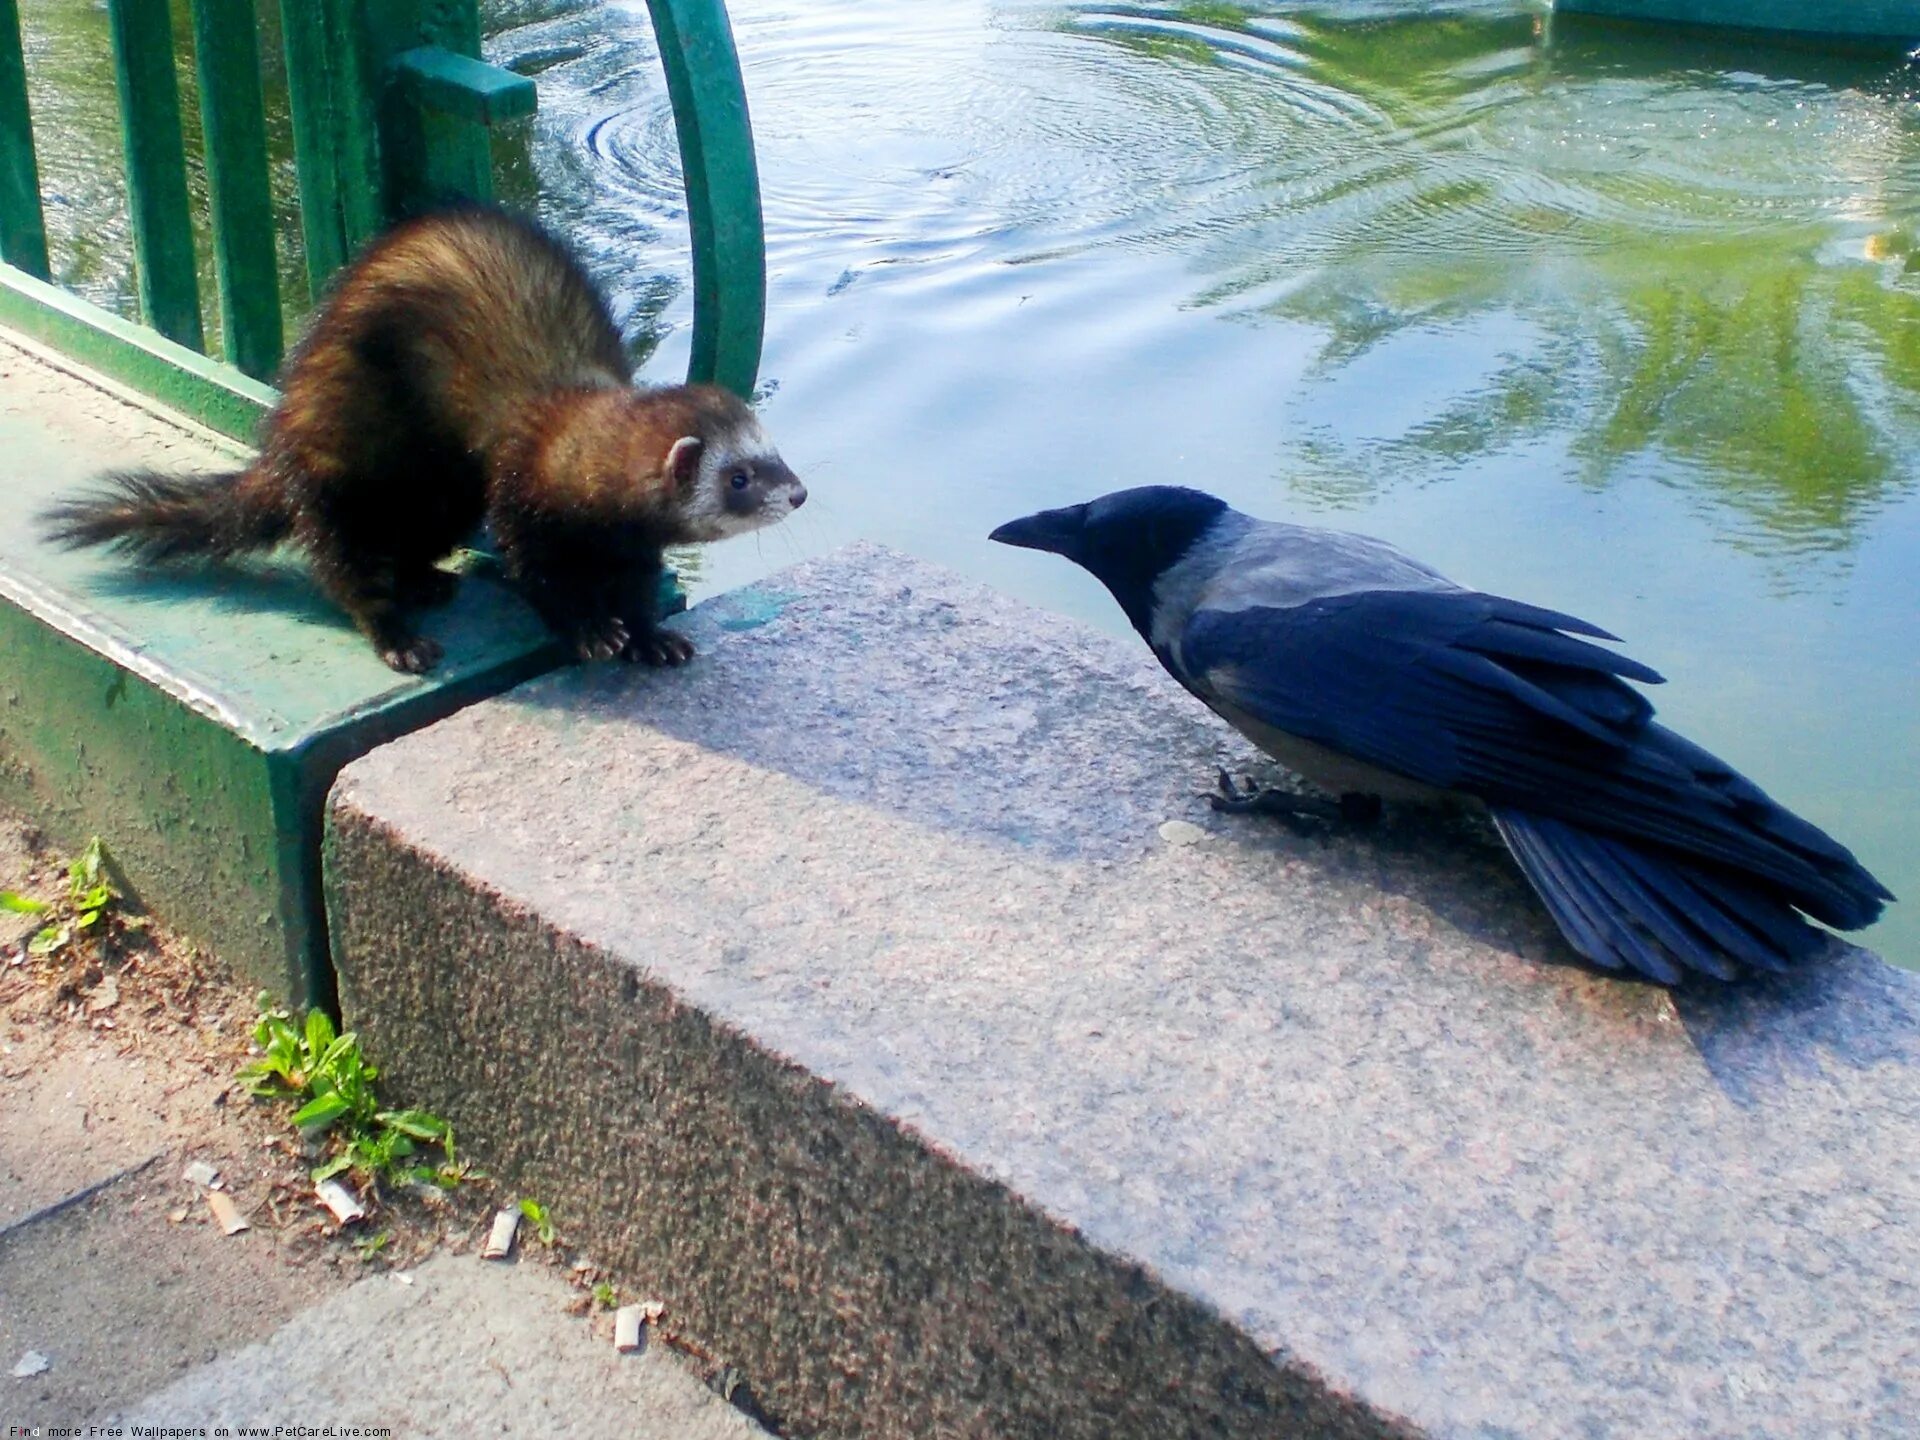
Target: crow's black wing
{"x":1459,"y":690}
{"x":1495,"y":699}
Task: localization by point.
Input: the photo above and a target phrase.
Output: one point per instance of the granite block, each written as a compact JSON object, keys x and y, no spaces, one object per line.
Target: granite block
{"x":845,"y":988}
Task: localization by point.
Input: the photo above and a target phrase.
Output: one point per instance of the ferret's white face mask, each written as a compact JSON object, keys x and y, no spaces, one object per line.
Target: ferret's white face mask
{"x":739,"y":482}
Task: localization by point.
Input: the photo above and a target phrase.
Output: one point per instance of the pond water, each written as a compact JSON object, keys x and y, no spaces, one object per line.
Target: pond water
{"x":1621,"y":324}
{"x":1625,"y":326}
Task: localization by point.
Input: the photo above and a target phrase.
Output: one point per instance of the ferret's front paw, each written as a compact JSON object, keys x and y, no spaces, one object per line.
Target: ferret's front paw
{"x":601,"y":639}
{"x":659,"y":647}
{"x":414,"y":655}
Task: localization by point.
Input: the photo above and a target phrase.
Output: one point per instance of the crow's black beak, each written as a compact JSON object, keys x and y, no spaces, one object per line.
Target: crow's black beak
{"x":1055,"y":531}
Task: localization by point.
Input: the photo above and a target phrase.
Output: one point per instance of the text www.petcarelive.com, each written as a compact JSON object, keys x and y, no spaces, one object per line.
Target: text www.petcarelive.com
{"x":198,"y":1432}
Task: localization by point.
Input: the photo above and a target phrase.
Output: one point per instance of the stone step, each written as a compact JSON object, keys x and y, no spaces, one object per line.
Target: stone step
{"x":462,"y":1347}
{"x":846,"y":990}
{"x":195,"y":720}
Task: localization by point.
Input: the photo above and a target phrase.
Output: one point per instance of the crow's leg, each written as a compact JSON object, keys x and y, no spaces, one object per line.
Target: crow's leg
{"x":1299,"y":813}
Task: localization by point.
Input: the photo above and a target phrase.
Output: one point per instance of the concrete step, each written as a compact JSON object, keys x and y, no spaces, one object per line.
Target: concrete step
{"x":114,"y":1272}
{"x":195,"y":720}
{"x":461,"y":1347}
{"x":116,"y":1302}
{"x":845,"y":990}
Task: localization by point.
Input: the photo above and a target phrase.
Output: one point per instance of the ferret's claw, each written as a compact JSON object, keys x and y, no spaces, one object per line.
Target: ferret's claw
{"x":413,"y":656}
{"x":601,"y":639}
{"x":660,"y":647}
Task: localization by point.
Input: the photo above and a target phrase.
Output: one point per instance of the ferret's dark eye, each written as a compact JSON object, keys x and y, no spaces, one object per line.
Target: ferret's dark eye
{"x":739,"y":479}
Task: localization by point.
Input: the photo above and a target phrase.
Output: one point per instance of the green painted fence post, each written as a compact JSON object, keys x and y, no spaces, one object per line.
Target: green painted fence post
{"x":428,"y":155}
{"x":156,"y":168}
{"x":23,"y":226}
{"x":379,"y":129}
{"x":723,"y":190}
{"x":335,"y":145}
{"x":227,"y":52}
{"x":441,"y":105}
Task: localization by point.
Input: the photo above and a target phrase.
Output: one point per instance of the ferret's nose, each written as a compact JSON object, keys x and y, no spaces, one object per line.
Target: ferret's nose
{"x":797,"y":496}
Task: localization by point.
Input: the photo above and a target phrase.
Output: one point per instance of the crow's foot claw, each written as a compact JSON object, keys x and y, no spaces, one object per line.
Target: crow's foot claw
{"x":1303,"y":814}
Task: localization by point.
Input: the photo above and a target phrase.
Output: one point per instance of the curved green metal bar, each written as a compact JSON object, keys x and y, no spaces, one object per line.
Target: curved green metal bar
{"x":723,"y":190}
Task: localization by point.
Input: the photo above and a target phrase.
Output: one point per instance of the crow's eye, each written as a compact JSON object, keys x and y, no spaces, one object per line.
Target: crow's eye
{"x":739,"y":481}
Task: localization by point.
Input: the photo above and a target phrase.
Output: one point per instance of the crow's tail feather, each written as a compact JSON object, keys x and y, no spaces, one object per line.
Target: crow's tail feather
{"x":158,"y":518}
{"x":1627,"y":903}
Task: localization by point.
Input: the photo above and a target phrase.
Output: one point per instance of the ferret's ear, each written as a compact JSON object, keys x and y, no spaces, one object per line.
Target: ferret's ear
{"x":683,"y":461}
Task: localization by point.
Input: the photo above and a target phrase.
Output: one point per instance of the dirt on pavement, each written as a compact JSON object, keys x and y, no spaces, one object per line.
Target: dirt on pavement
{"x":117,"y":1072}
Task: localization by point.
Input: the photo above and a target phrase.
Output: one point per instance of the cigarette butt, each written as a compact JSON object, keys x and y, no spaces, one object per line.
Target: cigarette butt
{"x":337,"y":1198}
{"x":226,"y":1213}
{"x":31,"y":1363}
{"x":500,"y":1239}
{"x":626,"y":1329}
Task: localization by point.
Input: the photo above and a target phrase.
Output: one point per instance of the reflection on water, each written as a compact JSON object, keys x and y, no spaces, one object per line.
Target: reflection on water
{"x":1689,"y":251}
{"x":1626,"y":324}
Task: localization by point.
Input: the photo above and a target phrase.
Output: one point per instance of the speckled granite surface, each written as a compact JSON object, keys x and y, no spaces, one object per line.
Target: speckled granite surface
{"x":844,"y":986}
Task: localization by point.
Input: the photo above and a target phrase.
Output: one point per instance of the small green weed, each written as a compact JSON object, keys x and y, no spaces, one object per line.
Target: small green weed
{"x":541,"y":1218}
{"x":605,"y":1296}
{"x":78,"y":914}
{"x":332,"y":1082}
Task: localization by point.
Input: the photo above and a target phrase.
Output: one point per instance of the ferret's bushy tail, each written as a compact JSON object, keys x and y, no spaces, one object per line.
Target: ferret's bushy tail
{"x":157,"y":518}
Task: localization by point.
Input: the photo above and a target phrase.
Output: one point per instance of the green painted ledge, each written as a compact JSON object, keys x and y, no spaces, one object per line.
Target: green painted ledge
{"x":218,"y":396}
{"x":195,"y":723}
{"x":194,"y":720}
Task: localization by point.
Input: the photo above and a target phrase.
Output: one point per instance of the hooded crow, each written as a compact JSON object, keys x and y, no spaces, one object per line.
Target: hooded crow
{"x":1377,"y":678}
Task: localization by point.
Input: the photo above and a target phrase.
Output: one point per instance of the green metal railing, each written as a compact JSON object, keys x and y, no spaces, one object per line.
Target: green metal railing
{"x":391,"y":109}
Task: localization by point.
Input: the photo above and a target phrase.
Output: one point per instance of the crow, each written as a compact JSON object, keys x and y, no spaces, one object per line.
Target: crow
{"x":1378,"y":678}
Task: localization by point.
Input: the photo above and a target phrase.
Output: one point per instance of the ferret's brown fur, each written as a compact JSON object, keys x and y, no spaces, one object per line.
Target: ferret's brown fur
{"x":465,"y":368}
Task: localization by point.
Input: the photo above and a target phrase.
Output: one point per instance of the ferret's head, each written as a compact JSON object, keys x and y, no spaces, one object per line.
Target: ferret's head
{"x":726,"y":475}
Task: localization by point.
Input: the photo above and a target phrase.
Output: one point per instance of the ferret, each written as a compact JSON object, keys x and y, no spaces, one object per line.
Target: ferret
{"x":465,"y":368}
